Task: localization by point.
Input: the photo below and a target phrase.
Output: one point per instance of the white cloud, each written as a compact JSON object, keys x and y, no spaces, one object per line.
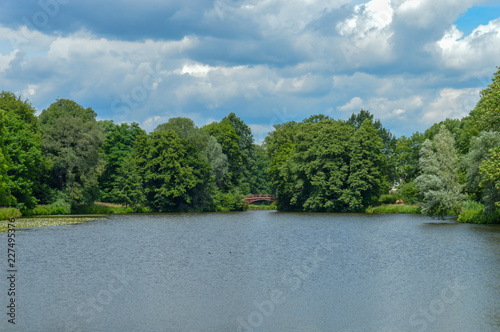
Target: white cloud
{"x":479,"y":51}
{"x":354,"y":105}
{"x":384,"y":108}
{"x":366,"y":34}
{"x":450,"y":103}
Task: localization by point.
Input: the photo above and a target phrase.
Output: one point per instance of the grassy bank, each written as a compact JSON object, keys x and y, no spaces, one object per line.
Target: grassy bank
{"x":395,"y":208}
{"x":261,"y":207}
{"x":45,"y":222}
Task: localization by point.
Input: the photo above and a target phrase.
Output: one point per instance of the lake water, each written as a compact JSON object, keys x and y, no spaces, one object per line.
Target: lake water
{"x":256,"y":271}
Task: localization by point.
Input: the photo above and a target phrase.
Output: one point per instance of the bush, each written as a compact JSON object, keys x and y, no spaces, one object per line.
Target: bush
{"x":60,"y":206}
{"x":411,"y":209}
{"x":409,"y":193}
{"x":8,"y":213}
{"x":230,"y":201}
{"x":388,"y":199}
{"x":474,"y":213}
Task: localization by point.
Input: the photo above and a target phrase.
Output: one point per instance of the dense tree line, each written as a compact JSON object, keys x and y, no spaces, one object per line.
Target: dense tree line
{"x":66,"y":158}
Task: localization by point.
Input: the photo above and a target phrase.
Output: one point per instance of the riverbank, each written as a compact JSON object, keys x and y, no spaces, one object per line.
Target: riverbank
{"x":395,"y":208}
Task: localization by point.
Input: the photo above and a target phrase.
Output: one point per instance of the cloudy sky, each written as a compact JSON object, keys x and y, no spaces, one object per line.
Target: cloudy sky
{"x":410,"y":62}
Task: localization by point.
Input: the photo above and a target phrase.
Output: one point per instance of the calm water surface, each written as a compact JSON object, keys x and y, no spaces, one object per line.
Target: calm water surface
{"x":256,"y":271}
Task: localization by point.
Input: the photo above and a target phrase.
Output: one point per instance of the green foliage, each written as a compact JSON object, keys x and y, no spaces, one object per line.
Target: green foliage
{"x":230,"y":201}
{"x":8,"y":213}
{"x":20,"y":153}
{"x":326,"y":165}
{"x":229,"y":140}
{"x":395,"y":208}
{"x":118,"y":144}
{"x":218,"y":162}
{"x":472,"y":212}
{"x":128,"y":185}
{"x":407,"y":156}
{"x":177,"y":176}
{"x":72,"y":140}
{"x":366,"y":166}
{"x":6,"y":197}
{"x":388,"y":199}
{"x":490,"y":170}
{"x":478,"y":185}
{"x":409,"y":193}
{"x":258,"y":178}
{"x":439,"y":180}
{"x":58,"y":207}
{"x":23,"y":110}
{"x":100,"y":208}
{"x":389,"y":142}
{"x":487,"y":110}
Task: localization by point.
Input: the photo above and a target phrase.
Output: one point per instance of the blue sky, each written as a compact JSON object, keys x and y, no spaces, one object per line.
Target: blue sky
{"x":410,"y":62}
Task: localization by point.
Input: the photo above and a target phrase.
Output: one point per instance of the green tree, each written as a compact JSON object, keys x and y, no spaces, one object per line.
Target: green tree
{"x":259,"y":180}
{"x":280,"y":146}
{"x":477,"y":186}
{"x":246,"y":152}
{"x":5,"y":195}
{"x":226,"y":136}
{"x":366,"y":166}
{"x":439,"y":182}
{"x":407,"y":156}
{"x":218,"y":162}
{"x":118,"y":144}
{"x":320,"y":166}
{"x":487,"y":110}
{"x":22,"y":109}
{"x":128,"y":185}
{"x":389,"y":167}
{"x":72,"y":140}
{"x":22,"y":150}
{"x":188,"y":131}
{"x":175,"y":177}
{"x":326,"y":165}
{"x":490,"y":170}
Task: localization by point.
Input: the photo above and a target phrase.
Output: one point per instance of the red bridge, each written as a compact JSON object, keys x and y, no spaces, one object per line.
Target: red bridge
{"x":258,"y":197}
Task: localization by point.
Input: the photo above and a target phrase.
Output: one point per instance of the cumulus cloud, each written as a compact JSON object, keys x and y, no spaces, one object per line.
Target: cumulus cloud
{"x":269,"y":61}
{"x":450,"y":103}
{"x":477,"y":51}
{"x":366,"y":34}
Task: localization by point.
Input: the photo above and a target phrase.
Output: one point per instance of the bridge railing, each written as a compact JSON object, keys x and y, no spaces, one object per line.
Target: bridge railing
{"x":259,"y":195}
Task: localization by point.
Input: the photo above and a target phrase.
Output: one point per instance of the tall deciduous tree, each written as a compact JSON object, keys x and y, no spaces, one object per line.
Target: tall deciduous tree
{"x":5,"y":195}
{"x":367,"y":164}
{"x":228,"y":139}
{"x":490,"y":169}
{"x":487,"y":111}
{"x":477,"y":184}
{"x":118,"y":143}
{"x":218,"y":162}
{"x":72,"y":139}
{"x":177,"y":176}
{"x":439,"y":182}
{"x":22,"y":149}
{"x":128,"y":185}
